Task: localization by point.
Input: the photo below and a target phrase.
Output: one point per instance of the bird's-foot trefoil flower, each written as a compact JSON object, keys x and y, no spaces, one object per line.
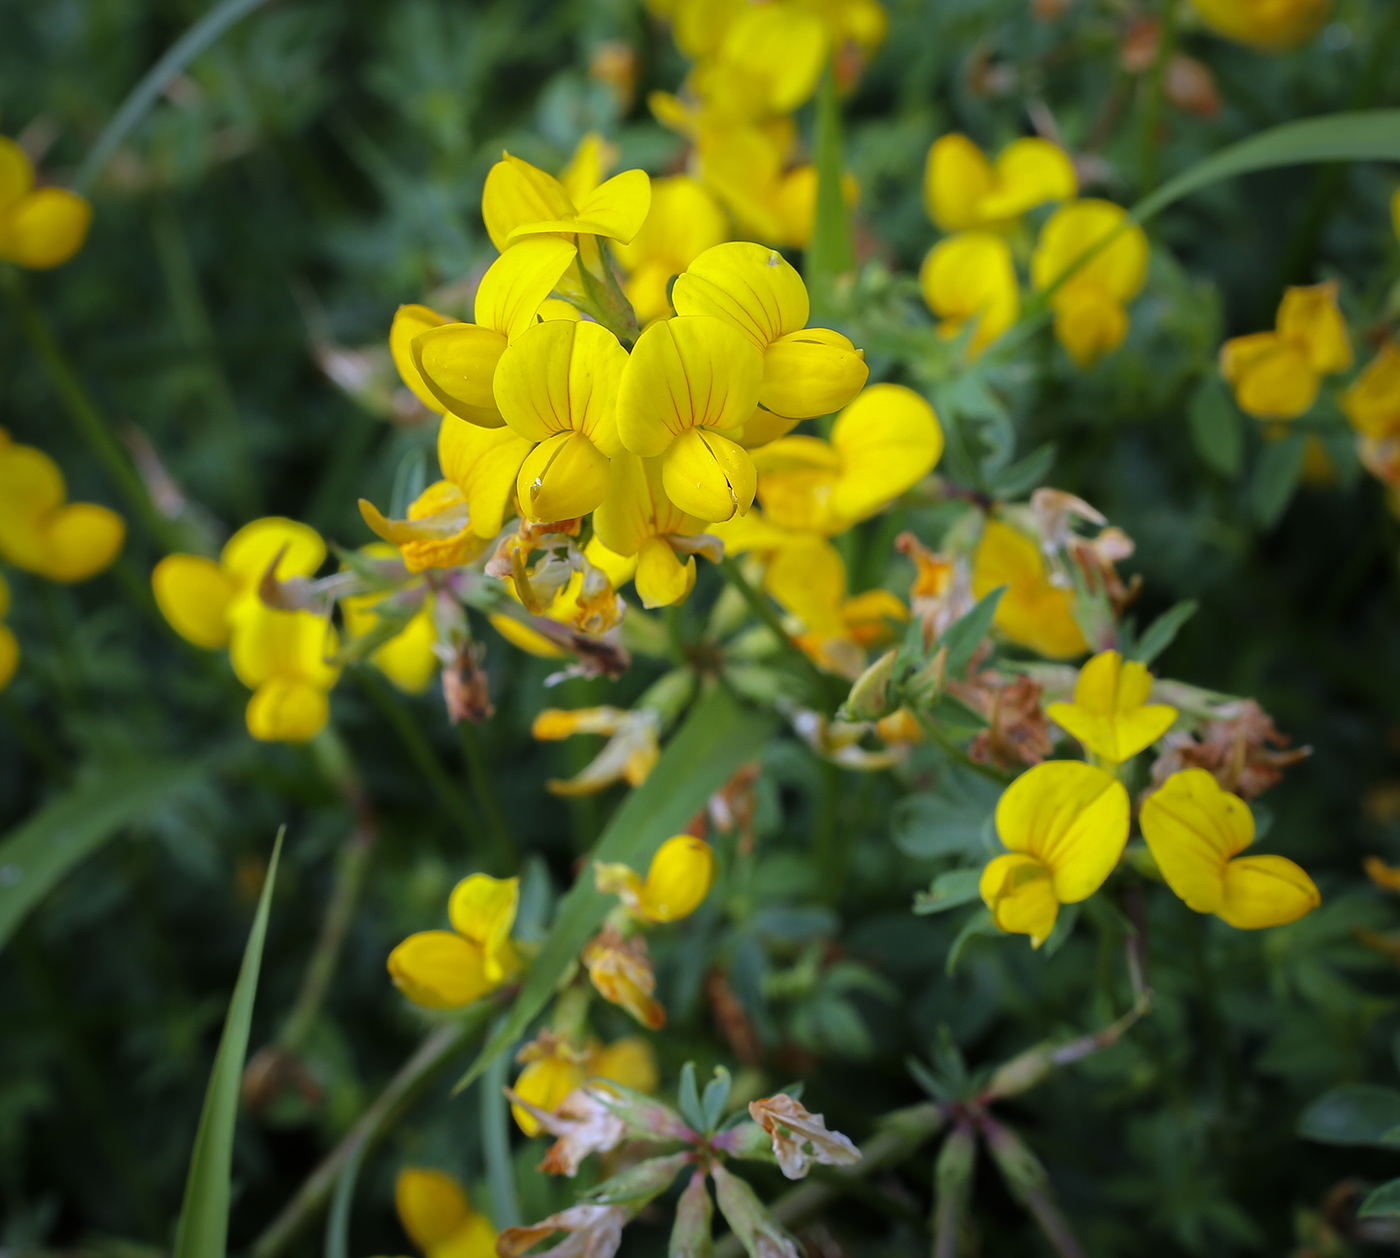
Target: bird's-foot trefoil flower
{"x":677,"y":882}
{"x":438,"y":1217}
{"x":1268,"y":25}
{"x":1033,"y":612}
{"x":963,"y":190}
{"x":40,"y":228}
{"x":621,"y":972}
{"x":629,"y":756}
{"x":969,"y":278}
{"x":9,"y":644}
{"x":1110,"y":714}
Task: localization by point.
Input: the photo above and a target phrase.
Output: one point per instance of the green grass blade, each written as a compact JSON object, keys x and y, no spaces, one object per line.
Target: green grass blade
{"x":203,"y":1229}
{"x":717,"y":737}
{"x":36,"y":855}
{"x":830,"y":252}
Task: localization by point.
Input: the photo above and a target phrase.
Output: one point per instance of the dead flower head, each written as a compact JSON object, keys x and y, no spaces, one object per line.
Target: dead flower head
{"x":621,"y":972}
{"x":593,"y":1232}
{"x":1245,"y":752}
{"x":800,"y":1138}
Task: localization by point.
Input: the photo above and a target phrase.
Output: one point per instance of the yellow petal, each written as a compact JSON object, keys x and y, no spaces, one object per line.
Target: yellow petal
{"x":431,"y":1205}
{"x":249,"y":553}
{"x":1070,"y":816}
{"x":629,"y":1061}
{"x":683,"y":222}
{"x":16,"y":172}
{"x":708,"y":476}
{"x":808,"y":578}
{"x":618,"y":208}
{"x":1089,"y":321}
{"x":482,"y":909}
{"x":1372,"y":404}
{"x":763,"y":427}
{"x":1193,"y":826}
{"x":544,"y":1083}
{"x":1310,"y":318}
{"x":44,"y":228}
{"x":1271,"y":27}
{"x":888,"y":439}
{"x":637,"y":507}
{"x":476,"y":1238}
{"x":286,"y":709}
{"x":971,"y":276}
{"x":31,"y":489}
{"x":1266,"y":891}
{"x":483,"y":464}
{"x":1020,"y":893}
{"x":458,"y":365}
{"x":409,"y":322}
{"x":516,"y":283}
{"x":561,"y":376}
{"x":593,"y":158}
{"x":439,"y":970}
{"x":1272,"y":377}
{"x":1029,"y":172}
{"x":292,"y":646}
{"x":811,"y":372}
{"x":408,"y":658}
{"x":678,"y":880}
{"x":9,"y":655}
{"x":83,"y":539}
{"x":562,"y":478}
{"x":526,"y":639}
{"x":783,"y":47}
{"x":1119,"y":269}
{"x":957,"y":176}
{"x":1032,"y":611}
{"x":1110,"y":714}
{"x":747,"y":285}
{"x":194,"y":595}
{"x":516,"y":193}
{"x":661,"y":577}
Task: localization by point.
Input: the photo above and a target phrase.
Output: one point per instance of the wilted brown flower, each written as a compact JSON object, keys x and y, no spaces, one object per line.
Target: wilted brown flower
{"x":621,"y":972}
{"x":1017,"y":732}
{"x":799,"y":1137}
{"x":582,"y":1123}
{"x":593,"y":1232}
{"x":1235,"y":750}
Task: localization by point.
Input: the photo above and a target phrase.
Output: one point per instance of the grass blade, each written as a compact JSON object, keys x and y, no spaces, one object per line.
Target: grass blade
{"x":830,"y":252}
{"x":203,"y":1229}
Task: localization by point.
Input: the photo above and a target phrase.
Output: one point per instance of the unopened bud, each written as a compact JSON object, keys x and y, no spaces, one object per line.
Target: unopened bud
{"x":1021,"y":1073}
{"x":870,"y":695}
{"x":756,"y":1229}
{"x":639,"y":1184}
{"x":952,"y":1180}
{"x":927,"y":684}
{"x":690,"y":1237}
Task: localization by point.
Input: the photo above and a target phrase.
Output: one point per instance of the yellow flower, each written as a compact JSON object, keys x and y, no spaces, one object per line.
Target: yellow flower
{"x":588,"y":602}
{"x":40,"y":530}
{"x":520,"y":201}
{"x":621,"y":972}
{"x":39,"y":227}
{"x":805,"y":371}
{"x":553,"y":1069}
{"x":1270,"y":25}
{"x":592,"y":159}
{"x":408,"y":658}
{"x":9,"y":644}
{"x":1372,"y":403}
{"x":637,"y":518}
{"x":962,"y":189}
{"x":1032,"y":612}
{"x":970,"y":276}
{"x":446,"y":969}
{"x":1276,"y":375}
{"x":438,"y":1217}
{"x":678,"y":880}
{"x":281,"y":657}
{"x":628,"y":1061}
{"x":763,"y":59}
{"x":1066,"y":824}
{"x":484,"y":463}
{"x":629,"y":756}
{"x":1110,"y":714}
{"x":1194,"y":828}
{"x":1091,"y":318}
{"x":203,"y":600}
{"x":452,"y":366}
{"x":684,"y":221}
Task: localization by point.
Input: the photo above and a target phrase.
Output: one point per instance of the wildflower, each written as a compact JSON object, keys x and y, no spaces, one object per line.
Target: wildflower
{"x":588,"y":602}
{"x":592,"y":159}
{"x":1032,"y":611}
{"x":1090,"y":305}
{"x":970,"y":278}
{"x":446,"y":969}
{"x":439,"y":1218}
{"x":40,"y":530}
{"x":407,"y":658}
{"x":628,"y":1061}
{"x":683,"y":222}
{"x":941,"y":592}
{"x":882,"y":444}
{"x":520,"y":201}
{"x":800,"y":1138}
{"x":580,"y":1119}
{"x":621,"y":973}
{"x":629,"y":756}
{"x":678,"y":880}
{"x":40,"y":228}
{"x":1017,"y":733}
{"x":1269,"y":25}
{"x":962,"y":189}
{"x":1276,"y":375}
{"x":553,"y":1069}
{"x":484,"y":464}
{"x":1066,"y":824}
{"x":9,"y":644}
{"x":281,"y":657}
{"x":1194,"y":829}
{"x":437,"y":533}
{"x":806,"y":371}
{"x":1372,"y":403}
{"x":1110,"y":714}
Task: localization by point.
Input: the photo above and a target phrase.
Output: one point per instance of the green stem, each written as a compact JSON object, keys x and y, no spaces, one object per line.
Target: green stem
{"x":831,"y":253}
{"x":495,"y":1140}
{"x":950,"y":749}
{"x":1154,"y":107}
{"x":488,"y":799}
{"x":763,"y":609}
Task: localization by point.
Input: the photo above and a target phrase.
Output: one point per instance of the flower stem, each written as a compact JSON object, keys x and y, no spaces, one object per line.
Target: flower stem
{"x":488,"y":799}
{"x":495,"y":1140}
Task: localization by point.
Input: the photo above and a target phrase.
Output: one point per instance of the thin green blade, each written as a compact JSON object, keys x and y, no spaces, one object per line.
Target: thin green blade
{"x":203,"y":1229}
{"x":830,"y":253}
{"x":717,"y":737}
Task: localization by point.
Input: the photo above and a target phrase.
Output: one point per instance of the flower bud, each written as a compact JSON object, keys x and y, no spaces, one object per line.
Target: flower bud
{"x":870,"y":695}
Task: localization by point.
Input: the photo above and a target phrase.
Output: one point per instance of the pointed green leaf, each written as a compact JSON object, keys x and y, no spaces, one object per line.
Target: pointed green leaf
{"x":1355,"y":1113}
{"x":1383,"y":1202}
{"x":1276,"y":477}
{"x":1216,"y":430}
{"x":964,"y":636}
{"x":830,"y":252}
{"x":1161,"y":633}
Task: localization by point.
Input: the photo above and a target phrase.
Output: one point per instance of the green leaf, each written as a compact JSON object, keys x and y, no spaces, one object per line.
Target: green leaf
{"x":1355,"y":1113}
{"x":831,"y":251}
{"x":718,"y":736}
{"x":1161,"y":633}
{"x":688,"y":1098}
{"x":715,"y":1098}
{"x":949,"y":820}
{"x":1019,"y":478}
{"x":1276,"y":477}
{"x":956,"y":887}
{"x":1216,"y":430}
{"x":978,"y":926}
{"x":1382,"y":1202}
{"x":964,"y":636}
{"x":203,"y":1227}
{"x":36,"y":855}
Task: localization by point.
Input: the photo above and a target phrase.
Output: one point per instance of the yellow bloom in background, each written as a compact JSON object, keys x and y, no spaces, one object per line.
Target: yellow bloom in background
{"x":970,"y":277}
{"x":629,"y":756}
{"x":557,"y":386}
{"x":1110,"y":714}
{"x":1277,"y":375}
{"x":452,"y":366}
{"x":766,"y":59}
{"x":683,"y":222}
{"x":521,"y":200}
{"x":281,"y":657}
{"x":1269,"y":25}
{"x":40,"y":228}
{"x":1032,"y":612}
{"x":40,"y":530}
{"x":408,"y":658}
{"x":203,"y":600}
{"x":962,"y":189}
{"x":1372,"y":403}
{"x":1194,"y":828}
{"x":438,"y":1217}
{"x":628,"y":1061}
{"x":446,"y":969}
{"x":806,"y":371}
{"x":637,"y":518}
{"x":1090,"y":306}
{"x":1066,"y":824}
{"x":9,"y":644}
{"x":553,"y":1069}
{"x":678,"y":880}
{"x":689,"y":384}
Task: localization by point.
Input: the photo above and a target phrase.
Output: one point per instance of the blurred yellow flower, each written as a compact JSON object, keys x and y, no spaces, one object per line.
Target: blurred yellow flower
{"x":970,"y":276}
{"x":629,"y":756}
{"x":621,"y":972}
{"x":1193,"y":828}
{"x":39,"y":227}
{"x":638,"y":519}
{"x":684,"y":221}
{"x":446,"y":969}
{"x":408,"y":658}
{"x":40,"y":530}
{"x":678,"y":880}
{"x":1270,"y":25}
{"x":1090,"y":306}
{"x":9,"y":644}
{"x":1372,"y":403}
{"x":591,"y":161}
{"x":553,"y":1069}
{"x":1276,"y":375}
{"x":962,"y":189}
{"x":1032,"y":612}
{"x":281,"y":657}
{"x":1066,"y":824}
{"x":1110,"y":714}
{"x":438,"y":1217}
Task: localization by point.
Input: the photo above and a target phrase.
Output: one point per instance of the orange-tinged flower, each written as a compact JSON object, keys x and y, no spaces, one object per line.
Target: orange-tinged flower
{"x":1372,"y":403}
{"x":799,"y":1137}
{"x":629,"y":756}
{"x":621,"y":973}
{"x":1032,"y":612}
